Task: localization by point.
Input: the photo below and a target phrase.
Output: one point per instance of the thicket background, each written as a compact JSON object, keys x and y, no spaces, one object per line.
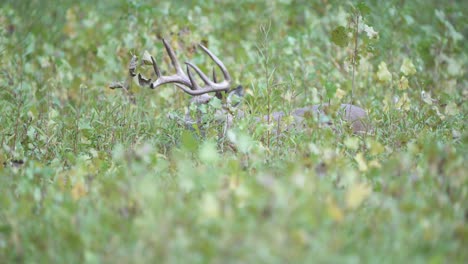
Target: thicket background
{"x":93,"y":175}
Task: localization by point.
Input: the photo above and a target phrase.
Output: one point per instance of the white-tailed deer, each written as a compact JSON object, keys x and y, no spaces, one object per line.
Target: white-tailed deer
{"x":354,"y":115}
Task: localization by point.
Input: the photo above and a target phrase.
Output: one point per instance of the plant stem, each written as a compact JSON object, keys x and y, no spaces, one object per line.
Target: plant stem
{"x":355,"y":54}
{"x":264,"y":52}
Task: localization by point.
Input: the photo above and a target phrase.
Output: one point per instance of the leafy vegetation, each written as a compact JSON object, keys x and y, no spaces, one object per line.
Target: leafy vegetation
{"x":93,"y":175}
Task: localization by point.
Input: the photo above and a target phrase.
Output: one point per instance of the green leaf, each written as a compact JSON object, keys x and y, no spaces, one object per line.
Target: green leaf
{"x":330,"y":87}
{"x":215,"y":103}
{"x":5,"y":229}
{"x":189,"y":142}
{"x":208,"y":152}
{"x":363,"y":8}
{"x":339,"y":36}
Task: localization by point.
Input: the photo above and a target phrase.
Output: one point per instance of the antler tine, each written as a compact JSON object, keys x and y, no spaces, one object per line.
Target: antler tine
{"x":205,"y":78}
{"x":196,"y":90}
{"x":218,"y":62}
{"x":192,"y":80}
{"x":215,"y":80}
{"x":186,"y":80}
{"x":155,"y":67}
{"x":214,"y":76}
{"x":191,"y":92}
{"x":185,"y":89}
{"x":179,"y":77}
{"x":172,"y":56}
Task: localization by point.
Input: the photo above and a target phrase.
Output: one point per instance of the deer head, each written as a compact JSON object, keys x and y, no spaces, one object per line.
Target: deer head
{"x":223,"y":90}
{"x":185,"y":80}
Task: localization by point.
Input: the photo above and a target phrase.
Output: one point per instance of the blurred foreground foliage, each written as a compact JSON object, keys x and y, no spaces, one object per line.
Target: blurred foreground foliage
{"x":92,"y":175}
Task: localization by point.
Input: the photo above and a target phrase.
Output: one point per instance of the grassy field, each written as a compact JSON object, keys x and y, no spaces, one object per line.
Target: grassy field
{"x":94,"y":175}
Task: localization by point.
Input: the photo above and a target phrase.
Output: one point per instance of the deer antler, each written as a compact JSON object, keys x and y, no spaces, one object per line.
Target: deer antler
{"x":186,"y":81}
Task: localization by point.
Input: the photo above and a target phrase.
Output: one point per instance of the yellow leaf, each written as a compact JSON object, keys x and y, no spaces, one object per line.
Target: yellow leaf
{"x":356,"y":194}
{"x":301,"y":237}
{"x":451,"y":109}
{"x":233,"y":182}
{"x":146,"y":58}
{"x":375,"y":164}
{"x":362,"y":165}
{"x":209,"y":206}
{"x":340,"y":93}
{"x":403,"y":84}
{"x":78,"y":191}
{"x":386,"y":105}
{"x":70,"y":26}
{"x":334,"y":211}
{"x":407,"y":68}
{"x":383,"y":74}
{"x":375,"y":147}
{"x":288,"y":96}
{"x":404,"y":103}
{"x":352,"y":143}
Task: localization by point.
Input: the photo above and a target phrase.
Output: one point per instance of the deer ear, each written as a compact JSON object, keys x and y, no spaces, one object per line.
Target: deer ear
{"x":239,"y":91}
{"x":235,"y":96}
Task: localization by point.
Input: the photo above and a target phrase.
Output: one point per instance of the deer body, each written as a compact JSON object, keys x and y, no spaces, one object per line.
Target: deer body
{"x":354,"y":115}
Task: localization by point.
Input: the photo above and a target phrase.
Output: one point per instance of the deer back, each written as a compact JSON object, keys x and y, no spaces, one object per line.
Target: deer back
{"x":185,"y":80}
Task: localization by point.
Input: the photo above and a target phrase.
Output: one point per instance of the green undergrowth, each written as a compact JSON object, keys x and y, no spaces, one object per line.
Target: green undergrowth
{"x":94,"y":175}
